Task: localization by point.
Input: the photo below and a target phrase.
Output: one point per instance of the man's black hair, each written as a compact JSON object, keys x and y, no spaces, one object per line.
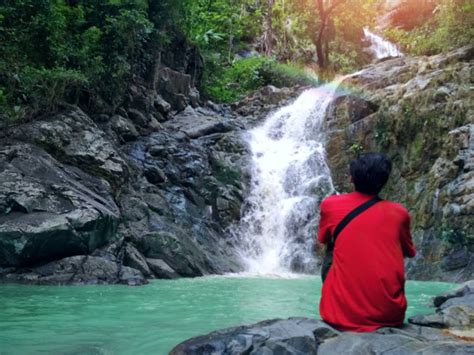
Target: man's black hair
{"x":370,"y":172}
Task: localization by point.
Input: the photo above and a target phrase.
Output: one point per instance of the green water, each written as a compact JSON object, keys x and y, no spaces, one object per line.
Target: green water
{"x":153,"y":318}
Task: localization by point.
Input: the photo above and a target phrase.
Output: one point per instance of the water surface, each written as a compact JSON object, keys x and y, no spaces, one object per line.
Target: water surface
{"x":153,"y":318}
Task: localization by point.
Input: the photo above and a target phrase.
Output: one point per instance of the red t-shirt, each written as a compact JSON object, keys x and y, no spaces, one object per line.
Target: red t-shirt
{"x":364,"y":289}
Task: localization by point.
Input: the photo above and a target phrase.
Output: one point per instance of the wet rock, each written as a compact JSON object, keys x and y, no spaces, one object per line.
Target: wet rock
{"x":455,"y":316}
{"x":455,"y":309}
{"x":196,"y":125}
{"x":291,"y":336}
{"x":465,"y":289}
{"x":49,"y":210}
{"x":174,"y":87}
{"x":161,"y":269}
{"x":78,"y":270}
{"x":407,"y":340}
{"x":179,"y":251}
{"x":135,"y":260}
{"x":162,"y":106}
{"x":123,"y":128}
{"x":194,"y":97}
{"x":138,"y":117}
{"x":456,"y":260}
{"x":155,"y":175}
{"x":348,"y":109}
{"x":308,"y":336}
{"x":256,"y":106}
{"x":72,"y":137}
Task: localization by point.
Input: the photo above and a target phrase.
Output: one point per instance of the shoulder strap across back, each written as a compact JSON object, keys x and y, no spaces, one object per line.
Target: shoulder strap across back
{"x":353,"y":214}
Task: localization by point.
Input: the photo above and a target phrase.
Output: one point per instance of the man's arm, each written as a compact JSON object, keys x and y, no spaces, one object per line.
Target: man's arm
{"x":408,"y":247}
{"x":324,"y":232}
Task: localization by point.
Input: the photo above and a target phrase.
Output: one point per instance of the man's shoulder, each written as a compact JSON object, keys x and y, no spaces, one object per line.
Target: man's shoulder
{"x":398,"y":207}
{"x":334,"y":199}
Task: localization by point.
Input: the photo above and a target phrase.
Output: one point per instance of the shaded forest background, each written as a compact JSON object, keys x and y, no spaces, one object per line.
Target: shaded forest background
{"x":89,"y":52}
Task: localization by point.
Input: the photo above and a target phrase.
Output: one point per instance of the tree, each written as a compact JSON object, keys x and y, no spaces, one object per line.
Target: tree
{"x":325,"y":9}
{"x":268,"y":29}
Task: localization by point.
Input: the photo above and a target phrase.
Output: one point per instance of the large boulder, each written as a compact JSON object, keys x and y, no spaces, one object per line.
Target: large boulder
{"x":175,"y":87}
{"x":73,"y":137}
{"x":454,"y":310}
{"x":257,"y":106}
{"x":50,"y":210}
{"x":197,"y":124}
{"x":77,"y":270}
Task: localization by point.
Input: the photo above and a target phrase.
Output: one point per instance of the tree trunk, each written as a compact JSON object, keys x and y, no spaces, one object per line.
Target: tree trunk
{"x":324,"y":12}
{"x":268,"y":33}
{"x":320,"y":37}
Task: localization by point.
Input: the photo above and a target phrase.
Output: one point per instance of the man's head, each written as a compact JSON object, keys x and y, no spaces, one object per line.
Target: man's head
{"x":370,"y":172}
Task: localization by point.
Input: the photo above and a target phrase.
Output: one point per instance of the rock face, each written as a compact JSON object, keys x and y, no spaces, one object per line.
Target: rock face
{"x":50,"y":210}
{"x":256,"y":106}
{"x":455,"y":312}
{"x":147,"y":191}
{"x":420,"y":112}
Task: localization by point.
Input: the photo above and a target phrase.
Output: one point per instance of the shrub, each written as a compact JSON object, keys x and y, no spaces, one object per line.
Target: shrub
{"x":249,"y":74}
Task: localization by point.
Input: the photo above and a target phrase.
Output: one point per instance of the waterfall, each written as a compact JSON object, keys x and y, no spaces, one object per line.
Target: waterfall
{"x":380,"y":47}
{"x":290,"y":177}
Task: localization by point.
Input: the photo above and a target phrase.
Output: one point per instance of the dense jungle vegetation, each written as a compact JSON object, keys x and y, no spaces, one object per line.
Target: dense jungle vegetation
{"x":88,"y":51}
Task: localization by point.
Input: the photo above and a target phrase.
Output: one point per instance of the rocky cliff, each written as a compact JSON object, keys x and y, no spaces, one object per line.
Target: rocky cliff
{"x":150,"y":188}
{"x":145,"y":191}
{"x":420,"y":111}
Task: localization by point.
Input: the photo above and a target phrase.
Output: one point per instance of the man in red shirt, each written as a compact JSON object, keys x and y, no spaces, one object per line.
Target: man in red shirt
{"x":364,"y":289}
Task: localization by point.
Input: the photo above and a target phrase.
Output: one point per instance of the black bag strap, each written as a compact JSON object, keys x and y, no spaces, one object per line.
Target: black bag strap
{"x":353,"y":214}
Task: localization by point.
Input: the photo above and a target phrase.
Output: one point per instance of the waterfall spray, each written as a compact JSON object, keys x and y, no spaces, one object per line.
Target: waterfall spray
{"x":289,"y":179}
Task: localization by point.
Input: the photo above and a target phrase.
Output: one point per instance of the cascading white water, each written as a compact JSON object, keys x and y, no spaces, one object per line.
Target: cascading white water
{"x":380,"y":47}
{"x":289,"y":178}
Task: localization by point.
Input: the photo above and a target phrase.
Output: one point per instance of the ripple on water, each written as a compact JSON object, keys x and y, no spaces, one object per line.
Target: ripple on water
{"x":152,"y":319}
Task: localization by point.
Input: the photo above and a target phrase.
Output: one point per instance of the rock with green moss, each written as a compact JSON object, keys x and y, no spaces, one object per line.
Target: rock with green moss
{"x":423,"y":118}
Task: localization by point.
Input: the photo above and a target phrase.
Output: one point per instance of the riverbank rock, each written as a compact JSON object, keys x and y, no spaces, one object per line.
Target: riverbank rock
{"x":454,"y":311}
{"x":309,"y":336}
{"x":420,"y":112}
{"x":77,"y":270}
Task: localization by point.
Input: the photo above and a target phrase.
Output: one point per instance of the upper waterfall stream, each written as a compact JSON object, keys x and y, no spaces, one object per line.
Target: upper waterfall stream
{"x":380,"y":47}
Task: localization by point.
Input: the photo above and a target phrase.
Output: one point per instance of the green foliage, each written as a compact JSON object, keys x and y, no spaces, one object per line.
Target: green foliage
{"x":236,"y":80}
{"x":450,"y":26}
{"x":280,"y":75}
{"x":356,"y":149}
{"x":89,"y":52}
{"x":54,"y":51}
{"x":247,"y":75}
{"x":382,"y":129}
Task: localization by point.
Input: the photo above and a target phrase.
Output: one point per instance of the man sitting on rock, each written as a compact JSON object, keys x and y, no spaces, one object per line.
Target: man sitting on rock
{"x":364,"y":289}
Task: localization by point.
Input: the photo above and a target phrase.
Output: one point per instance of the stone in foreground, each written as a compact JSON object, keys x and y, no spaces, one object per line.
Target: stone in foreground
{"x":302,"y":336}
